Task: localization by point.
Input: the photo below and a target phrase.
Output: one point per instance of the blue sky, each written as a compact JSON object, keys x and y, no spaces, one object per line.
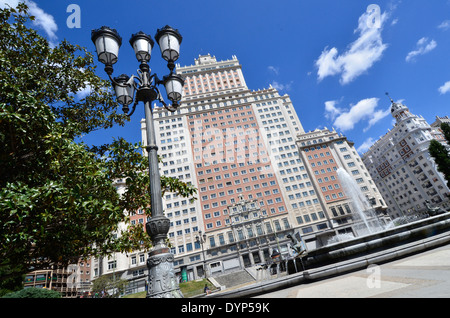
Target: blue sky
{"x":336,"y":59}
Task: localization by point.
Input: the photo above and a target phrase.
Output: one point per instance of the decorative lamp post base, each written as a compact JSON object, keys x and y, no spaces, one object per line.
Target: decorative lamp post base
{"x":162,"y":281}
{"x":161,"y":277}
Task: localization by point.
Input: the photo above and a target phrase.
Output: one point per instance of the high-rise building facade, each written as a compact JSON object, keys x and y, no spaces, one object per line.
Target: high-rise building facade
{"x":440,"y":120}
{"x":248,"y":155}
{"x":326,"y":154}
{"x":237,"y":145}
{"x":402,"y":167}
{"x":230,"y":142}
{"x":71,"y":281}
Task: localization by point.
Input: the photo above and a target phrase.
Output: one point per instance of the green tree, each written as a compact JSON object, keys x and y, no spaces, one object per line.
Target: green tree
{"x":33,"y":293}
{"x":440,"y":154}
{"x":445,"y":127}
{"x":109,"y":286}
{"x":58,"y":199}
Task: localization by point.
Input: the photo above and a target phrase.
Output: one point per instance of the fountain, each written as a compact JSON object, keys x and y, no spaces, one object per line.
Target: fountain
{"x":340,"y":238}
{"x":374,"y":242}
{"x":365,"y":219}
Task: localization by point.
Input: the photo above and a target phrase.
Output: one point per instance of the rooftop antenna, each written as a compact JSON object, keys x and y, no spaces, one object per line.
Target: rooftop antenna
{"x":387,"y":94}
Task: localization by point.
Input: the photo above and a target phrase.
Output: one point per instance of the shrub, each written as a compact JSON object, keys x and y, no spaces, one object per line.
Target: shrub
{"x":34,"y":293}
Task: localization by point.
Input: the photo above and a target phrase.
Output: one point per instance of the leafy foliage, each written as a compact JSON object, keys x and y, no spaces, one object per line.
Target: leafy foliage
{"x":440,"y":154}
{"x":445,"y":127}
{"x":58,"y":200}
{"x":34,"y":293}
{"x":109,"y":286}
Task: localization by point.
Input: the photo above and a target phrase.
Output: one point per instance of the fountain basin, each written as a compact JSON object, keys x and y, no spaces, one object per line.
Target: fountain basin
{"x":344,"y":257}
{"x":379,"y":241}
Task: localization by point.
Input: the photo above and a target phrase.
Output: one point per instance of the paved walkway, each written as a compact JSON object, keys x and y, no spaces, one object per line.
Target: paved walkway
{"x":424,"y":275}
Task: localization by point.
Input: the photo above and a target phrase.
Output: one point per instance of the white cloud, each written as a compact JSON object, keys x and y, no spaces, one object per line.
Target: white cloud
{"x":11,"y":3}
{"x":277,"y":85}
{"x":445,"y":88}
{"x":423,"y":46}
{"x":84,"y":92}
{"x":273,"y":69}
{"x":376,"y":117}
{"x":365,"y":145}
{"x":282,"y":87}
{"x":331,"y":111}
{"x":364,"y":110}
{"x":445,"y":25}
{"x":42,"y":20}
{"x":360,"y":55}
{"x":327,"y":63}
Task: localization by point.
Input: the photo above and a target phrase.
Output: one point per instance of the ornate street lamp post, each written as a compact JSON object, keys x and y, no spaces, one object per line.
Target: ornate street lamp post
{"x":162,"y":279}
{"x":201,"y":239}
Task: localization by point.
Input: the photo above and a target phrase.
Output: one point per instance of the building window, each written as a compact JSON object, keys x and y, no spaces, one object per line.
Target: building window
{"x":112,"y":265}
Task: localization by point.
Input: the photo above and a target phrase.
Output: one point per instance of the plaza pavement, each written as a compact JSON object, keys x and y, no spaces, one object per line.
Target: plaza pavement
{"x":423,"y":275}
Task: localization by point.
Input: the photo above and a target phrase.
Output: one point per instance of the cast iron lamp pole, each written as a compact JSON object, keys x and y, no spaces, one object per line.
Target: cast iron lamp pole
{"x":201,"y":239}
{"x":163,"y":282}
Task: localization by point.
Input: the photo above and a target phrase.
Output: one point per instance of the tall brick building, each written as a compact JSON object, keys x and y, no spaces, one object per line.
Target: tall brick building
{"x":248,"y":155}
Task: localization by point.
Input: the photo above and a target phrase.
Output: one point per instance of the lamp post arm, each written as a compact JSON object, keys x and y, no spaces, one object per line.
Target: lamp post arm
{"x":133,"y":109}
{"x":157,"y":80}
{"x":170,"y":108}
{"x":128,"y":83}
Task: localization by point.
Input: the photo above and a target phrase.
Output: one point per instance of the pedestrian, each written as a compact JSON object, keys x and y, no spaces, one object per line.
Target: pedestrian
{"x":206,"y":290}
